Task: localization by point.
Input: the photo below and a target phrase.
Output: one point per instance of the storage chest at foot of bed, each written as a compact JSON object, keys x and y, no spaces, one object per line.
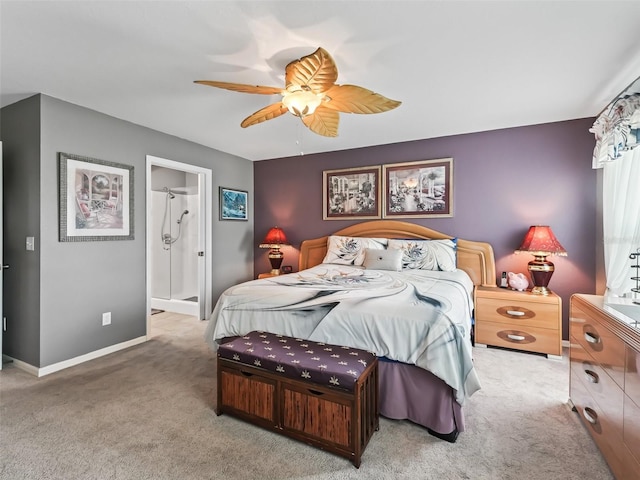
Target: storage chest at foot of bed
{"x":259,"y":382}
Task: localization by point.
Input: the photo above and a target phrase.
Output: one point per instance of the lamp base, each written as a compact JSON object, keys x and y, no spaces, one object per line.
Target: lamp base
{"x":541,"y":271}
{"x":275,"y":258}
{"x":540,"y":290}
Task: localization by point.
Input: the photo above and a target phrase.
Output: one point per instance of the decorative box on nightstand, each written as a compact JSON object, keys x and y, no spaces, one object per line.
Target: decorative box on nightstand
{"x":519,"y":320}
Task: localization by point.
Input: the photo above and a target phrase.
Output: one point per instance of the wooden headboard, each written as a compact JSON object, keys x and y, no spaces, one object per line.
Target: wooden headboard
{"x":475,"y":258}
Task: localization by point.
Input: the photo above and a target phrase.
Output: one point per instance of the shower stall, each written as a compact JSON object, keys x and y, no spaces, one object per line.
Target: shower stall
{"x":174,"y":241}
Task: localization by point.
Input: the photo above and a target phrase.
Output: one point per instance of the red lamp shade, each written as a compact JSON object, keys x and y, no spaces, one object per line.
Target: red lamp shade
{"x":274,"y":238}
{"x":540,"y":242}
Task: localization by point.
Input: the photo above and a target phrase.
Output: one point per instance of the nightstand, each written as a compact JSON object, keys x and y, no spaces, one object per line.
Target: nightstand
{"x":519,"y":320}
{"x":267,"y":275}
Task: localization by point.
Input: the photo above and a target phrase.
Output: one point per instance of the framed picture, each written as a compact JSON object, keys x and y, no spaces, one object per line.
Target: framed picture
{"x":233,"y":204}
{"x":95,"y":199}
{"x":419,"y":189}
{"x":352,"y":193}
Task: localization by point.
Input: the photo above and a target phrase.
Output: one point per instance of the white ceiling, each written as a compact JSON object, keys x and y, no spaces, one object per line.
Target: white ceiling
{"x":457,"y":67}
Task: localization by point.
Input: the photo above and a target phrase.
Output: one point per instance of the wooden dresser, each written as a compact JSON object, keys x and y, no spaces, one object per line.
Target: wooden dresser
{"x":605,"y":381}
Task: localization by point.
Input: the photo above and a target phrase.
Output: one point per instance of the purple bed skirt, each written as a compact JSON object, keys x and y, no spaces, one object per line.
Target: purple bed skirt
{"x":410,"y":393}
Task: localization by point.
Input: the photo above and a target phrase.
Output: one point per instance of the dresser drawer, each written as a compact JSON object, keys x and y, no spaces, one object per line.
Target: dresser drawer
{"x":632,"y":427}
{"x":606,"y":394}
{"x":531,"y":339}
{"x":606,"y":349}
{"x":601,"y":429}
{"x":520,"y":313}
{"x":632,"y":375}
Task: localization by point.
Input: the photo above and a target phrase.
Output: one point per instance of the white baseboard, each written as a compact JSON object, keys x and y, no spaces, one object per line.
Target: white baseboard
{"x":56,"y":367}
{"x":566,"y":343}
{"x":176,"y":306}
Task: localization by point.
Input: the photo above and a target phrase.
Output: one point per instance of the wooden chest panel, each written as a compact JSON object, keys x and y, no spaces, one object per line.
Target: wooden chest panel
{"x":321,"y":417}
{"x":248,"y":393}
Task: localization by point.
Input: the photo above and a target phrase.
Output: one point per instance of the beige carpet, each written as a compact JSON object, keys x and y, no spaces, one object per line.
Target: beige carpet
{"x":146,"y":413}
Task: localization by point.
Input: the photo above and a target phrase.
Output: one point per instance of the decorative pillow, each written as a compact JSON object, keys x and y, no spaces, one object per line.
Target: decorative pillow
{"x":383,"y":259}
{"x":427,"y":254}
{"x":350,"y":250}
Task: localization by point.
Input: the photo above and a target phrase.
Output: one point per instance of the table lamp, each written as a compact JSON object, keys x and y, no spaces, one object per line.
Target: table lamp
{"x":540,"y":242}
{"x":274,"y":239}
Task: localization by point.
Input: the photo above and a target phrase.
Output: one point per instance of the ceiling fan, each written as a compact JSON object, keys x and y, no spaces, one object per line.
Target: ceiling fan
{"x":311,"y":93}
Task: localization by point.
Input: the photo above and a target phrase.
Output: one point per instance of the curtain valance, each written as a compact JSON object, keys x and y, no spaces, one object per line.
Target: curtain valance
{"x":617,"y":129}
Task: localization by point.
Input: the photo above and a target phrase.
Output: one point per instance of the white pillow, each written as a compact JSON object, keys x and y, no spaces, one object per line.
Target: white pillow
{"x":427,"y":254}
{"x":350,"y":250}
{"x":375,"y":259}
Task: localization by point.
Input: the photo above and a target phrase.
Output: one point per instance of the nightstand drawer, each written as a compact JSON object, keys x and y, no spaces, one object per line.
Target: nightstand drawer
{"x":518,"y":314}
{"x":531,"y":339}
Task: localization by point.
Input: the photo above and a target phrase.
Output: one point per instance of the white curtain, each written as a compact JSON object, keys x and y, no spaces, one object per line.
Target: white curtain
{"x":621,"y":219}
{"x":617,"y":133}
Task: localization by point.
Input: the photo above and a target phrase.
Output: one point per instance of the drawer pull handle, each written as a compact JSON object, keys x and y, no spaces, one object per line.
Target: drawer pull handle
{"x":246,"y":374}
{"x":515,"y":338}
{"x":591,"y":338}
{"x":515,"y":313}
{"x":590,"y":415}
{"x":314,"y":392}
{"x":592,"y":376}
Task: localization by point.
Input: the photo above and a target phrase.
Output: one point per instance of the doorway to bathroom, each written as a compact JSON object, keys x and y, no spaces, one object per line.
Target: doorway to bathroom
{"x":179,"y":200}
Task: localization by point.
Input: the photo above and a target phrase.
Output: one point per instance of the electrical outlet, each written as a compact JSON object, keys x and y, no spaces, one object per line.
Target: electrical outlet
{"x":106,"y":318}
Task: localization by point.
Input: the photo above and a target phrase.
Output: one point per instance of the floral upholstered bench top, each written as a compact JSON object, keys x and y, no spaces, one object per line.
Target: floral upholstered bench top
{"x":315,"y":362}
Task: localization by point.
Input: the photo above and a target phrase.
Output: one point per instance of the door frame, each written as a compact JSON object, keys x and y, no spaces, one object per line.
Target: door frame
{"x":2,"y":320}
{"x":205,"y":265}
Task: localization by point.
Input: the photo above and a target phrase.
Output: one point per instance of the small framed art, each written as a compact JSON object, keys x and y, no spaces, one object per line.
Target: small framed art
{"x":95,"y":199}
{"x":352,"y":193}
{"x":233,"y":204}
{"x":418,"y":189}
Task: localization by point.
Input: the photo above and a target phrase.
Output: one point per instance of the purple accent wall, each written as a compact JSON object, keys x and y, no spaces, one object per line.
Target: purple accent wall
{"x":504,"y":181}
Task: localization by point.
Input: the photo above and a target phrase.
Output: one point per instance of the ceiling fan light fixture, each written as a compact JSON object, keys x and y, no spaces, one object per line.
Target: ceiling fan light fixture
{"x":301,"y":102}
{"x":311,"y":94}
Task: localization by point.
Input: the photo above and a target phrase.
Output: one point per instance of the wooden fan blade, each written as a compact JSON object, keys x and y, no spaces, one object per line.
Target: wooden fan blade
{"x":316,"y":72}
{"x":240,"y":87}
{"x":323,"y":122}
{"x":267,"y":113}
{"x":354,"y":99}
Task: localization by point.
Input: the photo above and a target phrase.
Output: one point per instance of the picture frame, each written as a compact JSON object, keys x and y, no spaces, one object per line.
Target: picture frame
{"x":96,"y":199}
{"x":351,"y":193}
{"x":234,"y":204}
{"x":403,"y":196}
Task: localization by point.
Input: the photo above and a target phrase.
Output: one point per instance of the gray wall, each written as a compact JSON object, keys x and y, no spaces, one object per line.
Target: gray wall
{"x":80,"y":280}
{"x":504,"y":181}
{"x":20,"y":132}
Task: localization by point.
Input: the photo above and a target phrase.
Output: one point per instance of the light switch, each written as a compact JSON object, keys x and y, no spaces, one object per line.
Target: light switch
{"x":31,"y":243}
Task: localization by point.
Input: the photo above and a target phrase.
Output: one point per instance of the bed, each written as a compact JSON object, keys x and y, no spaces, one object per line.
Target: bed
{"x":418,"y":321}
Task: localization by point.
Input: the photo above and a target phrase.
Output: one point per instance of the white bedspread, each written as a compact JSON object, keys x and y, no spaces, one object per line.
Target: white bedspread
{"x":415,"y":316}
